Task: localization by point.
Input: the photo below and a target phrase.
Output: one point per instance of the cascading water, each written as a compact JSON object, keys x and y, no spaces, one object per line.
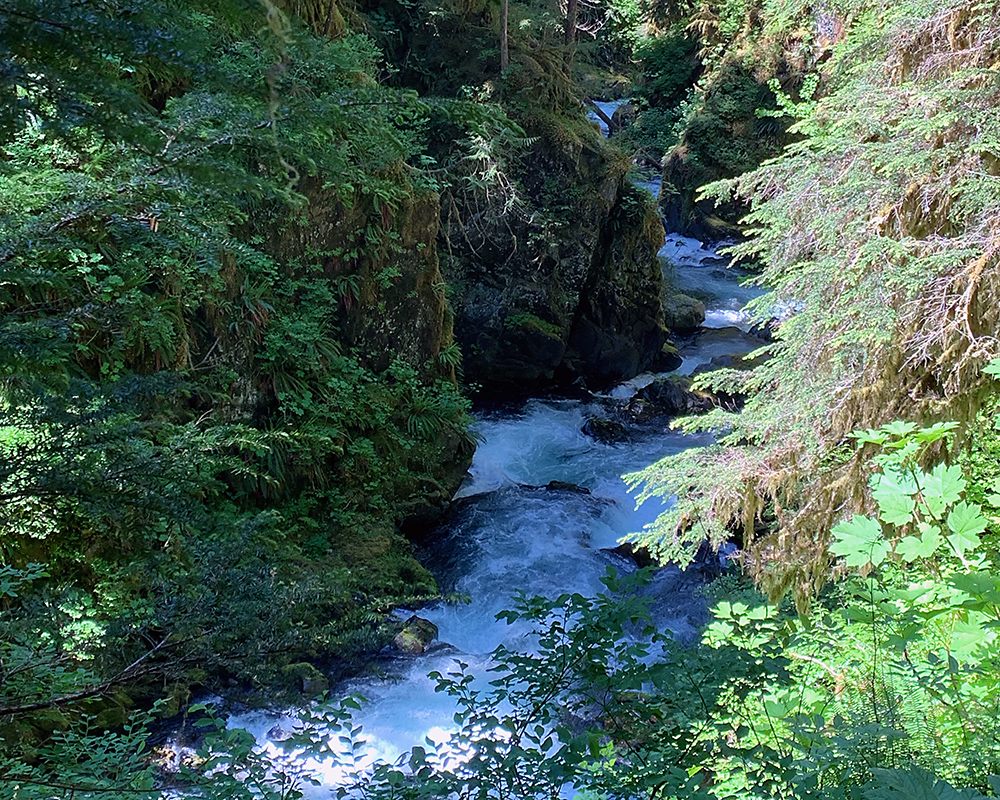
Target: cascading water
{"x":516,"y":530}
{"x":511,"y":533}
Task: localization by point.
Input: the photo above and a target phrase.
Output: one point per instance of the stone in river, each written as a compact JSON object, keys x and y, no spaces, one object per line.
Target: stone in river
{"x":416,"y":636}
{"x":607,"y":431}
{"x":682,"y":313}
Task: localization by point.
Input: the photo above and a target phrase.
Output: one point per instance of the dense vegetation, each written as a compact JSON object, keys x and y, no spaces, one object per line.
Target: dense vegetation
{"x":235,"y":238}
{"x":199,"y":232}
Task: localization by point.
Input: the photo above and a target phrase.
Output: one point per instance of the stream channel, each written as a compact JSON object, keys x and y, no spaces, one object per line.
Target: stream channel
{"x":508,"y":533}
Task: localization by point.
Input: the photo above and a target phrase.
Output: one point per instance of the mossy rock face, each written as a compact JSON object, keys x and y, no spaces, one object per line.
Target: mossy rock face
{"x":666,"y":396}
{"x":416,"y":636}
{"x":682,"y":313}
{"x":566,"y":288}
{"x":49,"y":721}
{"x":305,"y":678}
{"x":725,"y":137}
{"x":112,"y":711}
{"x":668,"y":359}
{"x":382,"y":561}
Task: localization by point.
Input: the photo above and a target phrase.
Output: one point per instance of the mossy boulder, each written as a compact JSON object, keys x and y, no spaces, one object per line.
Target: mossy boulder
{"x":608,"y":431}
{"x":673,"y":397}
{"x":682,"y":313}
{"x":305,"y":678}
{"x":416,"y":635}
{"x":668,"y":359}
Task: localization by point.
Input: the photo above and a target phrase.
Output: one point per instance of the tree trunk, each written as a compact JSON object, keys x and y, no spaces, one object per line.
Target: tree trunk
{"x":504,"y":52}
{"x":571,"y":12}
{"x":602,"y":116}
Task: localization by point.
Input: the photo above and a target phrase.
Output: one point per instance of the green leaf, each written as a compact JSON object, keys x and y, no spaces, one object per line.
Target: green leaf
{"x":970,"y":634}
{"x":894,"y":494}
{"x":859,"y":541}
{"x":941,"y":488}
{"x":966,"y":523}
{"x":911,"y":548}
{"x":913,"y":784}
{"x":900,"y":427}
{"x":981,"y":585}
{"x":993,"y":368}
{"x":870,"y":436}
{"x":936,"y":432}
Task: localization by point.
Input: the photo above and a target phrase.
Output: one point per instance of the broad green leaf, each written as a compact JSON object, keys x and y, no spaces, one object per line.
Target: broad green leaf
{"x":936,"y":432}
{"x":911,"y":548}
{"x":900,"y":427}
{"x":970,"y":634}
{"x":870,"y":436}
{"x":859,"y":541}
{"x":981,"y":585}
{"x":894,"y":494}
{"x":941,"y":488}
{"x":914,"y":783}
{"x":993,"y":368}
{"x":966,"y":523}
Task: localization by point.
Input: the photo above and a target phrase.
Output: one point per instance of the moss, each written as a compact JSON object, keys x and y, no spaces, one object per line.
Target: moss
{"x":322,"y":16}
{"x":530,"y":321}
{"x":416,"y":635}
{"x":304,"y":677}
{"x":381,"y":563}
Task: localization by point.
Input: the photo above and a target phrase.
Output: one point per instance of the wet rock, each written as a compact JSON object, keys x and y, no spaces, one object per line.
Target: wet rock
{"x":624,"y":116}
{"x":416,"y":635}
{"x":277,"y":733}
{"x":564,"y":486}
{"x":637,"y":554}
{"x":306,"y":679}
{"x":720,"y":362}
{"x":603,"y":430}
{"x":765,"y":330}
{"x":682,"y":313}
{"x":538,"y":303}
{"x":673,"y":397}
{"x":667,"y":360}
{"x":715,"y":562}
{"x":666,"y":396}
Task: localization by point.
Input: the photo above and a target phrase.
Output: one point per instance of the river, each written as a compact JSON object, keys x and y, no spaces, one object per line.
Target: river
{"x":510,"y":533}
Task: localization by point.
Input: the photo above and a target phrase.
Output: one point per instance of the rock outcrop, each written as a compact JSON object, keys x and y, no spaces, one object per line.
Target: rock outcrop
{"x":566,"y":284}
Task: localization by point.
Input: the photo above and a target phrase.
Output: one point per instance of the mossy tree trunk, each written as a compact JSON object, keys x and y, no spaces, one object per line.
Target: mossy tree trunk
{"x":572,"y":7}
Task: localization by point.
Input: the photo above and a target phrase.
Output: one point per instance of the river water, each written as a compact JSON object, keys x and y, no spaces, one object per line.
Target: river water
{"x":510,"y":533}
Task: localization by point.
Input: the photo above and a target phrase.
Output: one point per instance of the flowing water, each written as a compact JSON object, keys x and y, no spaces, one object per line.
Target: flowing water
{"x":608,"y":107}
{"x":509,"y":532}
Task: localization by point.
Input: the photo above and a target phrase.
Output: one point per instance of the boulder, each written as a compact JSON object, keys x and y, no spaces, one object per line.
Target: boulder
{"x":564,"y":486}
{"x":682,"y":313}
{"x":636,"y":553}
{"x":607,"y":431}
{"x":624,"y":116}
{"x":666,"y":396}
{"x":416,"y":635}
{"x":304,"y":677}
{"x":667,"y":360}
{"x":567,"y":288}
